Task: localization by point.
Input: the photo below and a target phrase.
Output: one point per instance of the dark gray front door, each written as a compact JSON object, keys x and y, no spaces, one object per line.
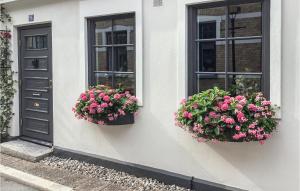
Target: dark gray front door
{"x":36,"y":83}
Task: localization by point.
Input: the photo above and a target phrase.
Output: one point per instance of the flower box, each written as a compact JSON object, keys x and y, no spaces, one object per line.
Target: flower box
{"x":215,"y":115}
{"x":122,"y":120}
{"x":106,"y":106}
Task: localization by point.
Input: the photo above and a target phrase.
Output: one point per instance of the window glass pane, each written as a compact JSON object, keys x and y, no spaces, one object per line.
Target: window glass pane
{"x":103,"y":32}
{"x":207,"y":81}
{"x":245,"y":20}
{"x":245,"y":55}
{"x":244,"y":84}
{"x":103,"y":59}
{"x":127,"y":81}
{"x":211,"y":56}
{"x":103,"y":79}
{"x":211,"y":23}
{"x":124,"y":58}
{"x":124,"y":31}
{"x":36,"y":42}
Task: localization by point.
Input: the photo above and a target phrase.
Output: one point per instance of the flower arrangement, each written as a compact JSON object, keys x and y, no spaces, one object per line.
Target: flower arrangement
{"x":214,"y":115}
{"x":103,"y":105}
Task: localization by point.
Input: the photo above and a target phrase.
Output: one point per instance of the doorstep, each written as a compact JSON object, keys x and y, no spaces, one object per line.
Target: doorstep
{"x":25,"y":150}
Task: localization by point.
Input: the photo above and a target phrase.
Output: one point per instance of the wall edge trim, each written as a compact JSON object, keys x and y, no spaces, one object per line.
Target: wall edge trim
{"x":164,"y":176}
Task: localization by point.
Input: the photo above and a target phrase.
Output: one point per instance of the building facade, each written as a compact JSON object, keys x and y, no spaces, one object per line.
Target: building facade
{"x":161,"y":51}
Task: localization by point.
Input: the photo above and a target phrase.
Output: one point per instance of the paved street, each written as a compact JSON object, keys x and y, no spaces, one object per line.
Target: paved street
{"x":64,"y":177}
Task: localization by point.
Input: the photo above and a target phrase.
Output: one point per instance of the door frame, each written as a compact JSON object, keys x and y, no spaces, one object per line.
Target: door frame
{"x":51,"y":126}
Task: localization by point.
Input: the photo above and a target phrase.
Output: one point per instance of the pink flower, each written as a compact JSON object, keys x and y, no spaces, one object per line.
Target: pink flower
{"x":117,"y":96}
{"x":104,"y":105}
{"x":195,"y":106}
{"x":241,"y":117}
{"x":238,"y":128}
{"x":239,"y":107}
{"x":92,"y":111}
{"x":83,"y":97}
{"x":111,"y":118}
{"x":106,"y":98}
{"x":101,"y":95}
{"x":206,"y":119}
{"x":252,"y":132}
{"x":121,"y":112}
{"x":227,"y":97}
{"x":224,"y":107}
{"x":229,"y":120}
{"x":256,"y":115}
{"x":92,"y":95}
{"x":110,"y":104}
{"x":183,"y":101}
{"x":93,"y":105}
{"x":259,"y":136}
{"x":201,"y":140}
{"x":252,"y":126}
{"x":236,"y":137}
{"x":212,"y":114}
{"x":187,"y":115}
{"x":265,"y":103}
{"x":101,"y":122}
{"x":252,"y":107}
{"x":267,"y":136}
{"x":261,"y":142}
{"x":239,"y":97}
{"x":243,"y":102}
{"x":133,"y":98}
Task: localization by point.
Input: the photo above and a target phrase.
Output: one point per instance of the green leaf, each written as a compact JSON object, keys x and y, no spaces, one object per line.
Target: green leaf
{"x":217,"y":131}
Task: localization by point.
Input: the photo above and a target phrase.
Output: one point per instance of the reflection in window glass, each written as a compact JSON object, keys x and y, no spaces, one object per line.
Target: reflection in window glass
{"x":245,"y":85}
{"x":36,"y":42}
{"x":114,"y":60}
{"x":229,"y":56}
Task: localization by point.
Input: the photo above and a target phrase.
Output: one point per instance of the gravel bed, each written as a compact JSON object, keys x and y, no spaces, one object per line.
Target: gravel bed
{"x":109,"y":175}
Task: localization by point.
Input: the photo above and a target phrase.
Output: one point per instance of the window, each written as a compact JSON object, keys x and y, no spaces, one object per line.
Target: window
{"x":112,"y":51}
{"x":229,"y":46}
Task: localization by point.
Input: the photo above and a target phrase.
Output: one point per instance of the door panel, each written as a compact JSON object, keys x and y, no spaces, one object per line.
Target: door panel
{"x":36,"y":83}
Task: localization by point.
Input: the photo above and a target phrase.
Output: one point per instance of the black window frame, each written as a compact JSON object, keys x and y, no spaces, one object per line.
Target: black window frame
{"x":91,"y":39}
{"x":192,"y":43}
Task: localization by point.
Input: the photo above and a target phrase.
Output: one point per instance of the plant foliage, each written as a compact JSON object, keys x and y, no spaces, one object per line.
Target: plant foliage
{"x":214,"y":115}
{"x":7,"y":90}
{"x":101,"y":103}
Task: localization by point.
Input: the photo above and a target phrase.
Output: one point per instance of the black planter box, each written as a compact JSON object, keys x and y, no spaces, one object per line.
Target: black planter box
{"x":122,"y":120}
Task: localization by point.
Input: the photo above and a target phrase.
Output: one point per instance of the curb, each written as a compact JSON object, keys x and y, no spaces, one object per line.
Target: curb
{"x":30,"y":180}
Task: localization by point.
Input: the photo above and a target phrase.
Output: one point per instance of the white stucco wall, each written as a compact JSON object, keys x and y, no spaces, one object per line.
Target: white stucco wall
{"x":154,"y":140}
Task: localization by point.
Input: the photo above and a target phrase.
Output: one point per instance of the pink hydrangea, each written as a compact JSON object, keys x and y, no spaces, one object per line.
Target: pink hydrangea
{"x":224,"y":107}
{"x":238,"y":128}
{"x":206,"y":119}
{"x":117,"y":96}
{"x":241,"y":117}
{"x":104,"y":105}
{"x":239,"y":107}
{"x":229,"y":120}
{"x":83,"y":97}
{"x":266,"y":103}
{"x":183,"y":101}
{"x":106,"y":98}
{"x":187,"y":115}
{"x":252,"y":107}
